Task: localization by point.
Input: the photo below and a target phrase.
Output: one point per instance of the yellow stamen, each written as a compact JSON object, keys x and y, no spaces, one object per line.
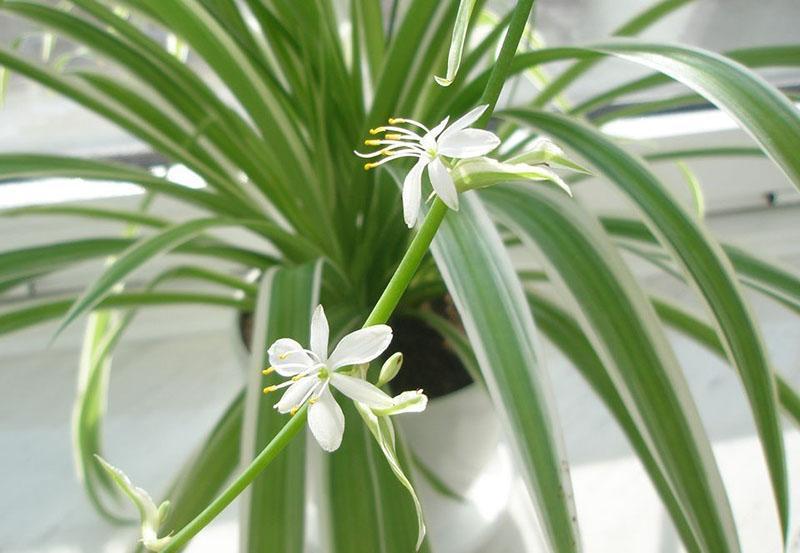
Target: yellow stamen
{"x":372,"y":142}
{"x":293,"y":410}
{"x":297,"y":377}
{"x":284,"y":355}
{"x":395,"y":120}
{"x":368,"y":166}
{"x":268,"y":370}
{"x":376,"y":131}
{"x":386,"y":152}
{"x":394,"y":136}
{"x":269,"y":389}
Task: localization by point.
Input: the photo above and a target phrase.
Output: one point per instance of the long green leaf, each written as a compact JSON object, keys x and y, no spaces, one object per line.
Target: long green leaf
{"x":631,"y":28}
{"x":27,"y":263}
{"x":705,"y":264}
{"x":258,"y":95}
{"x":767,"y":277}
{"x":490,"y":300}
{"x":639,"y":359}
{"x":700,"y":331}
{"x":103,"y":330}
{"x":30,"y":315}
{"x":272,"y":511}
{"x":145,"y":249}
{"x":760,"y":109}
{"x":761,"y":56}
{"x":118,"y":215}
{"x":457,"y":42}
{"x":370,"y":509}
{"x":568,"y":336}
{"x":27,"y":166}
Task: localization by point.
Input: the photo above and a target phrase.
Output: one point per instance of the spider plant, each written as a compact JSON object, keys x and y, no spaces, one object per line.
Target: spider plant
{"x":296,"y":87}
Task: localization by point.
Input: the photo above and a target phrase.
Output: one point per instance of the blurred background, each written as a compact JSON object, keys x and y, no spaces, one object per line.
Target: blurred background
{"x":196,"y":358}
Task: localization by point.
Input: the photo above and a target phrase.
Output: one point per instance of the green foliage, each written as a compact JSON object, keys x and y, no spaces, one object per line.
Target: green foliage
{"x":273,"y":141}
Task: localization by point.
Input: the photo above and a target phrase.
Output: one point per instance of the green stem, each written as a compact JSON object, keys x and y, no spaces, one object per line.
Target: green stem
{"x":408,"y":265}
{"x":500,"y":70}
{"x":380,"y":314}
{"x":275,"y":446}
{"x":385,"y":305}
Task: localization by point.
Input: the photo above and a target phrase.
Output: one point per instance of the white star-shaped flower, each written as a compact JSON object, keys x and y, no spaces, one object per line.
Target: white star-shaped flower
{"x":312,"y":372}
{"x":456,"y":141}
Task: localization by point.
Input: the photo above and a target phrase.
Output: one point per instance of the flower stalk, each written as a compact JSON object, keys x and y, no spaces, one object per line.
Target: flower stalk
{"x":386,"y":303}
{"x":380,"y":314}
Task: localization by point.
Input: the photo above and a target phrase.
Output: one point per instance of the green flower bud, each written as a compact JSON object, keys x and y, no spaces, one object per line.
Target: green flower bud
{"x":390,"y":368}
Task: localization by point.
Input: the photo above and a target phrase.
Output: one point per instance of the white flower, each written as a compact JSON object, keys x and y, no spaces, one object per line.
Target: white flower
{"x":312,"y":372}
{"x":456,"y":141}
{"x":151,"y":516}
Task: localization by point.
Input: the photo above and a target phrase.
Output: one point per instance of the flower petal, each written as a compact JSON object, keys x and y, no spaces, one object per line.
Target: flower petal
{"x":428,"y":140}
{"x":319,"y":334}
{"x":362,"y":391}
{"x":464,"y":121}
{"x":288,"y":357}
{"x":297,"y":393}
{"x":326,"y":420}
{"x":443,"y":183}
{"x":361,"y":346}
{"x":412,"y":191}
{"x":407,"y":402}
{"x":468,"y":143}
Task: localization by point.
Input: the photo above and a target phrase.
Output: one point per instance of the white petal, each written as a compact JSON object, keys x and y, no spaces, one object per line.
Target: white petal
{"x":443,"y":183}
{"x":296,"y":393}
{"x":428,"y":140}
{"x":326,"y":420}
{"x":288,"y":357}
{"x":412,"y":191}
{"x":464,"y":121}
{"x":468,"y":143}
{"x":319,"y":334}
{"x":362,"y":391}
{"x":361,"y":346}
{"x":407,"y":402}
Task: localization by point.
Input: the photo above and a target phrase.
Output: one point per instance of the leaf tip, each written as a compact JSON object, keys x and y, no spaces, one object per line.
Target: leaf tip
{"x":441,"y":81}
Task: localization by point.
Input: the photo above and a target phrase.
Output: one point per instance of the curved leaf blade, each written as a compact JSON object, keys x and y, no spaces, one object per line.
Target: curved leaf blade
{"x":479,"y":276}
{"x":273,"y":506}
{"x":147,"y":248}
{"x":639,"y":360}
{"x":705,"y":264}
{"x":760,"y":109}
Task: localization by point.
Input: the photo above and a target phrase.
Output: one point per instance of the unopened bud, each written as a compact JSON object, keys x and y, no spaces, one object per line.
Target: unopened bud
{"x":390,"y":368}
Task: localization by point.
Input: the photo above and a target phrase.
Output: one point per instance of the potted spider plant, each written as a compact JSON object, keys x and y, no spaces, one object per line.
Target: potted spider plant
{"x":270,"y":103}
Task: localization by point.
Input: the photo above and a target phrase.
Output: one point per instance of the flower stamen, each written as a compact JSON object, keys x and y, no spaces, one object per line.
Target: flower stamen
{"x":396,"y":120}
{"x":268,"y":370}
{"x":272,"y":388}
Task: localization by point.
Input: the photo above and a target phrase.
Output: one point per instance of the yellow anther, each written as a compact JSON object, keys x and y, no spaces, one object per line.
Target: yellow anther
{"x":395,"y":120}
{"x":386,"y":152}
{"x":376,"y":131}
{"x":394,"y":136}
{"x":297,"y":377}
{"x":284,"y":355}
{"x":313,"y":400}
{"x":269,"y":389}
{"x":368,"y":166}
{"x":268,"y":370}
{"x":372,"y":142}
{"x":293,"y":410}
